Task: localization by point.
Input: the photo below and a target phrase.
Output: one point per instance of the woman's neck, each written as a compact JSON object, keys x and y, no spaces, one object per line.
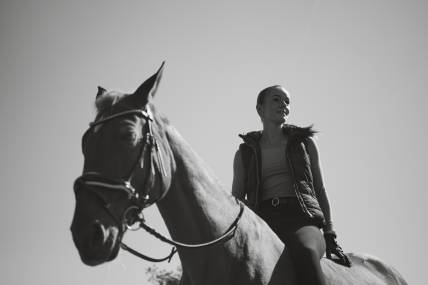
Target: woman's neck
{"x":272,"y":134}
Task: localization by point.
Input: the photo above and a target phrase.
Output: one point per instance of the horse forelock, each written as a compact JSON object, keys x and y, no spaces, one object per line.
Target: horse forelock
{"x":111,"y":98}
{"x":107,"y":101}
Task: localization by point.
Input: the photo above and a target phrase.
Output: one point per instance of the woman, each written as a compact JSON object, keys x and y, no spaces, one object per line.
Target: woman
{"x":277,"y":174}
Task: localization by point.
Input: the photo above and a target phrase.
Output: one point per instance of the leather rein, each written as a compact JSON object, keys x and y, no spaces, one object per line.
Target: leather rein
{"x":132,"y":217}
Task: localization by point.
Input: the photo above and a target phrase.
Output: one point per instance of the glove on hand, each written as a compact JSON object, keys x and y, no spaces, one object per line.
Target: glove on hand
{"x":333,"y":248}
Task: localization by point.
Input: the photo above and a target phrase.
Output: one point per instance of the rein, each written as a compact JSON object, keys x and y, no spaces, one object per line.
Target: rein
{"x":224,"y":237}
{"x":139,"y":201}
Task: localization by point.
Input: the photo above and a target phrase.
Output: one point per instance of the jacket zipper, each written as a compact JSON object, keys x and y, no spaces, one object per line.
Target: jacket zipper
{"x":258,"y":177}
{"x":295,"y":186}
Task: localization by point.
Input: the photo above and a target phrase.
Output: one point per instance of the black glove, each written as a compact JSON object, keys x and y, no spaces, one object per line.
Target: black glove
{"x":333,"y":248}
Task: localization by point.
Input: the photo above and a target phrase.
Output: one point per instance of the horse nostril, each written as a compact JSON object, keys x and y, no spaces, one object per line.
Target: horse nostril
{"x":98,"y":234}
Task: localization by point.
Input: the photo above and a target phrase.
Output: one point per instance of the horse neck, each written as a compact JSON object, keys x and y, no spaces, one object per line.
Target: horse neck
{"x":196,"y":208}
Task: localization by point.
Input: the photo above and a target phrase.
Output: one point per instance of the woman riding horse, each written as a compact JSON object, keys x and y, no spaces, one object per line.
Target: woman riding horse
{"x":134,"y":157}
{"x":277,"y":172}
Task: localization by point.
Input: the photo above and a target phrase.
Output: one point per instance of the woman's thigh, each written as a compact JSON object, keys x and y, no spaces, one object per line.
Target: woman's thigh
{"x":307,"y":239}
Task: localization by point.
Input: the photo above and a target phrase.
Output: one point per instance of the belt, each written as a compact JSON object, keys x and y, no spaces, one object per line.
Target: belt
{"x":276,"y":201}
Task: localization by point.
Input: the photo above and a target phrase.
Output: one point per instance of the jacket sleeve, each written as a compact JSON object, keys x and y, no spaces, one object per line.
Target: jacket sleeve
{"x":238,"y":185}
{"x":319,"y":183}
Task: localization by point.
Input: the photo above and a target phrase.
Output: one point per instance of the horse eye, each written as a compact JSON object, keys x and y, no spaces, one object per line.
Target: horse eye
{"x":128,"y":136}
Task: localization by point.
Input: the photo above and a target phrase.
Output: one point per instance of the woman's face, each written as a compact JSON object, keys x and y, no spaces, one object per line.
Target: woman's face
{"x":275,"y":107}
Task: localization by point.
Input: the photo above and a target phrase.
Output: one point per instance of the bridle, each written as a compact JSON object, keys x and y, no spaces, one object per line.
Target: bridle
{"x":139,"y":201}
{"x":132,"y":215}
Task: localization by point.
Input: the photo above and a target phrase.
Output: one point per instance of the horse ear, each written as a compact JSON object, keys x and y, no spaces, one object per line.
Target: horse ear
{"x":147,"y":90}
{"x":101,"y":91}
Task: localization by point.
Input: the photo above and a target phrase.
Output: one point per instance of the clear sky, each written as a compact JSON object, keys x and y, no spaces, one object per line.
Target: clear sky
{"x":356,"y":69}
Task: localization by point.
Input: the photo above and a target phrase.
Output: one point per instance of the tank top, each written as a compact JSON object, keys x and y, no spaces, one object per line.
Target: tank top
{"x":276,"y":175}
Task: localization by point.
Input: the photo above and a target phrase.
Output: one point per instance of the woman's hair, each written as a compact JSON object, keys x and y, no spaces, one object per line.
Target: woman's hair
{"x":262,"y":94}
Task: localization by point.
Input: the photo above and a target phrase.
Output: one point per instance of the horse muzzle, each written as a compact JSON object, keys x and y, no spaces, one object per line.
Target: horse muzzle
{"x":97,"y":244}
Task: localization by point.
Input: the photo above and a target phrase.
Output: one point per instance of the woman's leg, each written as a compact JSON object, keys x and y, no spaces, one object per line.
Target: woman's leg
{"x":307,"y":246}
{"x":301,"y":237}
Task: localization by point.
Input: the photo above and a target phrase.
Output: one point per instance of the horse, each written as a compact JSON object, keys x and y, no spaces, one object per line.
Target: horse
{"x":135,"y":158}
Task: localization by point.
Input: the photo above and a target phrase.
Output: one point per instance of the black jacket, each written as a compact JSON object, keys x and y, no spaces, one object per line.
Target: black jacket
{"x":299,"y":163}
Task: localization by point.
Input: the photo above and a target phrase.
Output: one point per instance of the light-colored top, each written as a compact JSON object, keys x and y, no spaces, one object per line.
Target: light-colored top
{"x":276,"y":175}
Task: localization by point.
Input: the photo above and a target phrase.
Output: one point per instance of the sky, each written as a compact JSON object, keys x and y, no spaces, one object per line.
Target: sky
{"x":357,"y":70}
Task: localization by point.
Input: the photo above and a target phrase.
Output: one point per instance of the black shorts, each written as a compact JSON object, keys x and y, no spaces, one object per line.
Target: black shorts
{"x":286,"y":217}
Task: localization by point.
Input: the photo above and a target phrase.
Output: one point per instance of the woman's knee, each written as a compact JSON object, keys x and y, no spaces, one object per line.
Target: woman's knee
{"x":310,"y":252}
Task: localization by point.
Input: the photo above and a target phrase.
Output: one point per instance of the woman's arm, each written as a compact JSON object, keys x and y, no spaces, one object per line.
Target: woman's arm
{"x":238,"y":189}
{"x":332,"y":248}
{"x":319,"y":183}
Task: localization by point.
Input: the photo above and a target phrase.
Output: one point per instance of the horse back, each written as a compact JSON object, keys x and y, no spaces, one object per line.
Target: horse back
{"x":365,"y":269}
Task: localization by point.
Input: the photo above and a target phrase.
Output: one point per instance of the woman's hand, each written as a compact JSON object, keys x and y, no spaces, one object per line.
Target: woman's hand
{"x":333,"y":248}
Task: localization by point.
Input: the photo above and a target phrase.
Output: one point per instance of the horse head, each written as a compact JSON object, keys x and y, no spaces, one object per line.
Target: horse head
{"x":126,"y":168}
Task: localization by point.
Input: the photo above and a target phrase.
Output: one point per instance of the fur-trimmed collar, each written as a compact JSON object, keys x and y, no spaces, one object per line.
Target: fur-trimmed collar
{"x":293,"y":131}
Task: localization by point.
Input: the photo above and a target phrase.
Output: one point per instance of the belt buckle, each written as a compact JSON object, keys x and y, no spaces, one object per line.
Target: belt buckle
{"x":275,"y":202}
